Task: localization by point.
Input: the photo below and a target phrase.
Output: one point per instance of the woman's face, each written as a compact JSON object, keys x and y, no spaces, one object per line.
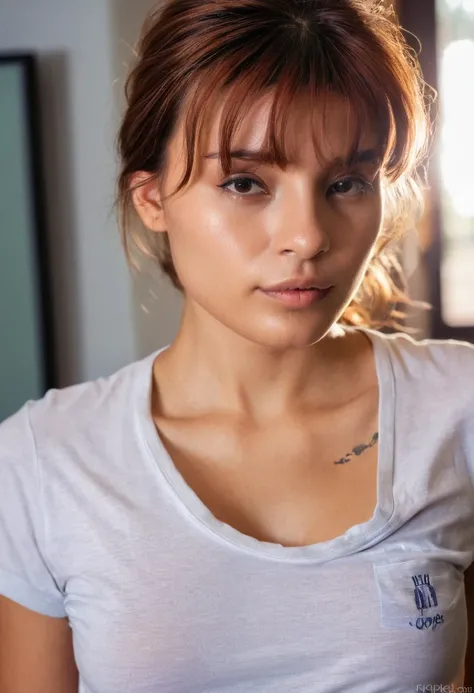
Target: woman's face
{"x":235,"y":238}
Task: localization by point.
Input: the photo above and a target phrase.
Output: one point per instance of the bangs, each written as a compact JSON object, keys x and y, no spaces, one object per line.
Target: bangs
{"x":372,"y":96}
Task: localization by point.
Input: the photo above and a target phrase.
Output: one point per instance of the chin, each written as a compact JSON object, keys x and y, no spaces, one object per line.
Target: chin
{"x":274,"y":329}
{"x":287,"y":334}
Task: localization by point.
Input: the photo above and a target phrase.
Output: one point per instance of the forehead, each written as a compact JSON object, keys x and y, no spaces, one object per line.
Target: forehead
{"x":331,"y":119}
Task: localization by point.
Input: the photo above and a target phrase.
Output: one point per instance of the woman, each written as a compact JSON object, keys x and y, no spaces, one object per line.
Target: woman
{"x":282,"y":499}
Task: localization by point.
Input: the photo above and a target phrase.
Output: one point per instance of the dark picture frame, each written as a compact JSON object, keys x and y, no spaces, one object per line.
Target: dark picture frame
{"x":27,"y":359}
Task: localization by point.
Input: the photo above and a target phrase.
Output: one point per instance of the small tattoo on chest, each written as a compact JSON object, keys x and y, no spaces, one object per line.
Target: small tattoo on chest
{"x":358,"y":450}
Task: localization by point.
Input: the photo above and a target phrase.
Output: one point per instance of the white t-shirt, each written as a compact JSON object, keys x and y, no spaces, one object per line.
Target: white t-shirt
{"x":97,"y":524}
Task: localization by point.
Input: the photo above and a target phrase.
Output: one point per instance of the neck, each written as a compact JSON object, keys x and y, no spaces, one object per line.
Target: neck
{"x":210,"y":368}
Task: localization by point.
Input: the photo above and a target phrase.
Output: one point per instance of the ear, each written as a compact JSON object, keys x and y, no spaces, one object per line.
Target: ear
{"x":147,"y":202}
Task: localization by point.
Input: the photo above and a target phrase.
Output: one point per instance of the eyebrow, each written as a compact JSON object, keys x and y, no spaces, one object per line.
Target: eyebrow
{"x":364,"y":156}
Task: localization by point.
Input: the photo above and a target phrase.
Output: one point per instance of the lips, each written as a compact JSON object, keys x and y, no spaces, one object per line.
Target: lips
{"x":308,"y":284}
{"x":298,"y":298}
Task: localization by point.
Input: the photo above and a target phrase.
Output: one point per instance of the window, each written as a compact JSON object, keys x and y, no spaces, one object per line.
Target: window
{"x":446,"y":31}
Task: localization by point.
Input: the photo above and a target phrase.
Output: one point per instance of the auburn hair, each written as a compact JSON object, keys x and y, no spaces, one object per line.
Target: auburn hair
{"x":190,"y":50}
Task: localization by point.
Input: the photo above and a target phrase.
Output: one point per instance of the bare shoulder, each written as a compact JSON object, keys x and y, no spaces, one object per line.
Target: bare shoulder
{"x":36,"y":652}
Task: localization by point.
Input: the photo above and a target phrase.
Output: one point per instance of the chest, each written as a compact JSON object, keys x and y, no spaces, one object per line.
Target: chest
{"x":293,"y":484}
{"x":238,"y":625}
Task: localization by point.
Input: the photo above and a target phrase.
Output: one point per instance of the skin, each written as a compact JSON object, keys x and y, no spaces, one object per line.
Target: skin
{"x":36,"y":652}
{"x":235,"y":344}
{"x":247,"y":378}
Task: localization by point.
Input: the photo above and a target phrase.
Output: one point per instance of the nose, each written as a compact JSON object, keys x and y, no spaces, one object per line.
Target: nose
{"x":303,"y":228}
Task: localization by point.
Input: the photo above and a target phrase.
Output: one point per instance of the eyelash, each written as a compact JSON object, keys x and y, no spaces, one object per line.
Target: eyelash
{"x":366,"y":185}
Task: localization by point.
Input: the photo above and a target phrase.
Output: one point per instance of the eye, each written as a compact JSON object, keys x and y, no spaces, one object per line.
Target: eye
{"x":352,"y":186}
{"x":242,"y":185}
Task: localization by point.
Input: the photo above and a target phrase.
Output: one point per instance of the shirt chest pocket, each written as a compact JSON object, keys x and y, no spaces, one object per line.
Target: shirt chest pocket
{"x":420,"y":594}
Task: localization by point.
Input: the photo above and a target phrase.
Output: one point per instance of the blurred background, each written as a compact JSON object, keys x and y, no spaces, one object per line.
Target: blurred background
{"x":70,"y":311}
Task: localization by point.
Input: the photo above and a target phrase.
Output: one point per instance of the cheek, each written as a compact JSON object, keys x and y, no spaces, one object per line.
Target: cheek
{"x":367,"y":225}
{"x":207,"y":244}
{"x":366,"y":231}
{"x":355,"y":241}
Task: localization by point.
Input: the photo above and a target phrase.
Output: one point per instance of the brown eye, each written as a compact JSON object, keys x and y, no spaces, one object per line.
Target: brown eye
{"x":350,"y":186}
{"x":243,"y":186}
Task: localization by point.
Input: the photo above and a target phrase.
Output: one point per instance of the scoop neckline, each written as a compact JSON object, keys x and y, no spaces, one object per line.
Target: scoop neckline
{"x":353,"y":540}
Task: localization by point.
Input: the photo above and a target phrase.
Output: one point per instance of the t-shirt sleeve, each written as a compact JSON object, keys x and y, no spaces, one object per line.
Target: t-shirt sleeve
{"x":25,"y":574}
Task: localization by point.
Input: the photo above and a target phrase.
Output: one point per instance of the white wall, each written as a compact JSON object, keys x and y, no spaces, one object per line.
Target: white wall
{"x":93,"y":300}
{"x":158,"y":305}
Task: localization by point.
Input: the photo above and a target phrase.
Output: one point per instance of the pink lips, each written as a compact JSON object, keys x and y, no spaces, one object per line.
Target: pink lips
{"x":298,"y":298}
